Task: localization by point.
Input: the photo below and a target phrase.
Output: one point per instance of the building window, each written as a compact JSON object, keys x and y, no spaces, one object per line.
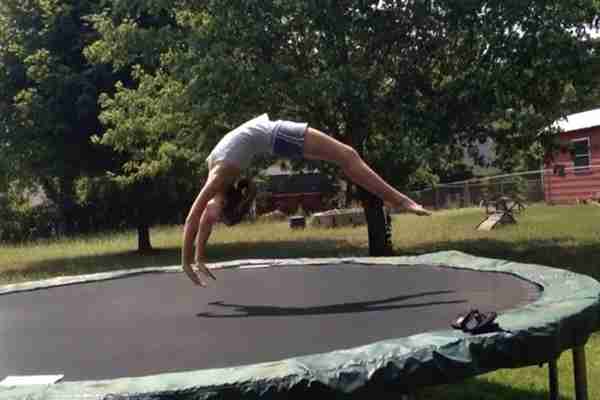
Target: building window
{"x":581,"y":154}
{"x":559,"y":170}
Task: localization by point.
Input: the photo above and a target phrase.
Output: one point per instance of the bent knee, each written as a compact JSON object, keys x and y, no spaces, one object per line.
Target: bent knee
{"x":348,"y":156}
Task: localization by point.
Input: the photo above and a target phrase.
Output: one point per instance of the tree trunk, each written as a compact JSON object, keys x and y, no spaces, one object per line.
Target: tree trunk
{"x":348,"y":195}
{"x":68,"y":206}
{"x":378,"y":224}
{"x":143,"y":227}
{"x":62,"y":194}
{"x":144,"y":245}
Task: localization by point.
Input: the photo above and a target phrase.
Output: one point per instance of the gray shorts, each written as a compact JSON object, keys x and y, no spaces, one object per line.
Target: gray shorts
{"x":288,"y":139}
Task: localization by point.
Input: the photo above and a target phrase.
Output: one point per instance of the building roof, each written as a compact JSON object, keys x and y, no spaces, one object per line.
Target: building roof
{"x":582,"y":120}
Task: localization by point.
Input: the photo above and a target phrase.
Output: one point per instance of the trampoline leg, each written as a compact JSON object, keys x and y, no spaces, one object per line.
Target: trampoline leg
{"x":553,"y":379}
{"x":580,"y":371}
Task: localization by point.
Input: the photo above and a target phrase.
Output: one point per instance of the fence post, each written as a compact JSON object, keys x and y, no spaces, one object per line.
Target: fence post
{"x":580,"y":372}
{"x":467,"y":195}
{"x":543,"y":189}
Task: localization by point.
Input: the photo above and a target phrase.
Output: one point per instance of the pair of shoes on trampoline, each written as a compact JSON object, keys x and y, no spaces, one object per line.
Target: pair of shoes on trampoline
{"x":476,"y":322}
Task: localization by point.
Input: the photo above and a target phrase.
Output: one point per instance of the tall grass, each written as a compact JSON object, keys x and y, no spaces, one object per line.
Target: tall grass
{"x":564,"y":237}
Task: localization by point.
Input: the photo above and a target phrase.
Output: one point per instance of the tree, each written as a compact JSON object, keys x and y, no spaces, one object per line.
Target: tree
{"x":51,"y":112}
{"x":49,"y":92}
{"x":148,"y":119}
{"x":407,"y":83}
{"x":535,"y":63}
{"x":152,"y":128}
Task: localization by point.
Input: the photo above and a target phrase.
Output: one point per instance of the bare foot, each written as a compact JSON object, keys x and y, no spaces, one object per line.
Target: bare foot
{"x":193,"y":275}
{"x":204,"y":269}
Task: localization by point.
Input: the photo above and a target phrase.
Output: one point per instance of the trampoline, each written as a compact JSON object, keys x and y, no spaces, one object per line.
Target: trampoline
{"x":275,"y":327}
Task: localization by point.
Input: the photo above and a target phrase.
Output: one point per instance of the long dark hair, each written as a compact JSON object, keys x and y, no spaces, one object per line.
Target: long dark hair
{"x":238,"y":201}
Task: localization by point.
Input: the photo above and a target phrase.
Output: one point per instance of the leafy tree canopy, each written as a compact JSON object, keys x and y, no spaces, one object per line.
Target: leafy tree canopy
{"x":408,"y":83}
{"x":49,"y":95}
{"x":393,"y":75}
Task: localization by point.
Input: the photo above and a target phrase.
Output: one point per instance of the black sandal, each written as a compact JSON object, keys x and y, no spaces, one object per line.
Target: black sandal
{"x":475,"y":322}
{"x":461,"y":321}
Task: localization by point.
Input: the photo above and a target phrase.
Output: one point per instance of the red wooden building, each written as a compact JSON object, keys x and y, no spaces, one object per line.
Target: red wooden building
{"x":574,"y":173}
{"x":286,"y":190}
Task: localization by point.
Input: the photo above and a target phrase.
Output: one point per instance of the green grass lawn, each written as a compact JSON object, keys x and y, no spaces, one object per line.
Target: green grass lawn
{"x":563,"y":237}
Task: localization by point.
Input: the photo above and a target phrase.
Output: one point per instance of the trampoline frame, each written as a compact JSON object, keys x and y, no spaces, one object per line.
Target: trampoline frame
{"x":566,"y":314}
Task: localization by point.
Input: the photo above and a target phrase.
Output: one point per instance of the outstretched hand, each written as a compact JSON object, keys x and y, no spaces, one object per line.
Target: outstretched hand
{"x":194,"y":276}
{"x":417,"y":209}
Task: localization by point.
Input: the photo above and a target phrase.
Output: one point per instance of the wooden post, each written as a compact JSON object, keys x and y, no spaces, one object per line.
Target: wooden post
{"x":553,"y":379}
{"x":580,"y":372}
{"x":467,"y":195}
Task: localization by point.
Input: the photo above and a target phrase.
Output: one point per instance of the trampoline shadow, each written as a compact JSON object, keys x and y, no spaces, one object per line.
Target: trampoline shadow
{"x":482,"y":389}
{"x":552,"y":251}
{"x":246,"y":311}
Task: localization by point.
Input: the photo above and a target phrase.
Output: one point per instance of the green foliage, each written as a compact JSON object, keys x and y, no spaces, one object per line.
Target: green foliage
{"x":152,"y":126}
{"x":518,"y":189}
{"x":421,"y":79}
{"x":23,"y":221}
{"x":490,"y":189}
{"x":130,"y":40}
{"x":52,"y":108}
{"x":408,"y":84}
{"x":4,"y":176}
{"x":152,"y":130}
{"x":49,"y":104}
{"x":109,"y":204}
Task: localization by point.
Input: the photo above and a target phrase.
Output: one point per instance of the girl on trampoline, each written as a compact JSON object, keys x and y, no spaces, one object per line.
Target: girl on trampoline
{"x":227,"y":198}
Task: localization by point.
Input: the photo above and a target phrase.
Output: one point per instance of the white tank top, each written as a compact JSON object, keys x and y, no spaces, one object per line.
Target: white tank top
{"x":240,"y":145}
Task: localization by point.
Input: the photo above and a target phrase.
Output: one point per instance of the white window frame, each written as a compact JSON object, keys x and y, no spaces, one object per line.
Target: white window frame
{"x":585,"y":168}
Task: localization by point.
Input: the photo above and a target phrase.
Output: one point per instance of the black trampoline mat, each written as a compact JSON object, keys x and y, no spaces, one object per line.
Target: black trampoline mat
{"x":158,"y":323}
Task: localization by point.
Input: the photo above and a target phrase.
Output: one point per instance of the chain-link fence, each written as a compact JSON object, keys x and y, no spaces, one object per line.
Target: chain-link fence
{"x":527,"y":187}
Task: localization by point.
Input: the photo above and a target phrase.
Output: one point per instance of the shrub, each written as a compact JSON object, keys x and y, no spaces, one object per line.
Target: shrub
{"x":26,"y":223}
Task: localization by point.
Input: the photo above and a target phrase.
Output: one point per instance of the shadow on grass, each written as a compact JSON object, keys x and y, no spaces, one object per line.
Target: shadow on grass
{"x":286,"y":249}
{"x":555,"y":252}
{"x":482,"y":389}
{"x":470,"y":389}
{"x":90,"y":264}
{"x":558,"y":252}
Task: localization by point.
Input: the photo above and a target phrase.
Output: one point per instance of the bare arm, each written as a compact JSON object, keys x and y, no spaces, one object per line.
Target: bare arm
{"x":215,"y":184}
{"x":210,"y":216}
{"x":204,"y":231}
